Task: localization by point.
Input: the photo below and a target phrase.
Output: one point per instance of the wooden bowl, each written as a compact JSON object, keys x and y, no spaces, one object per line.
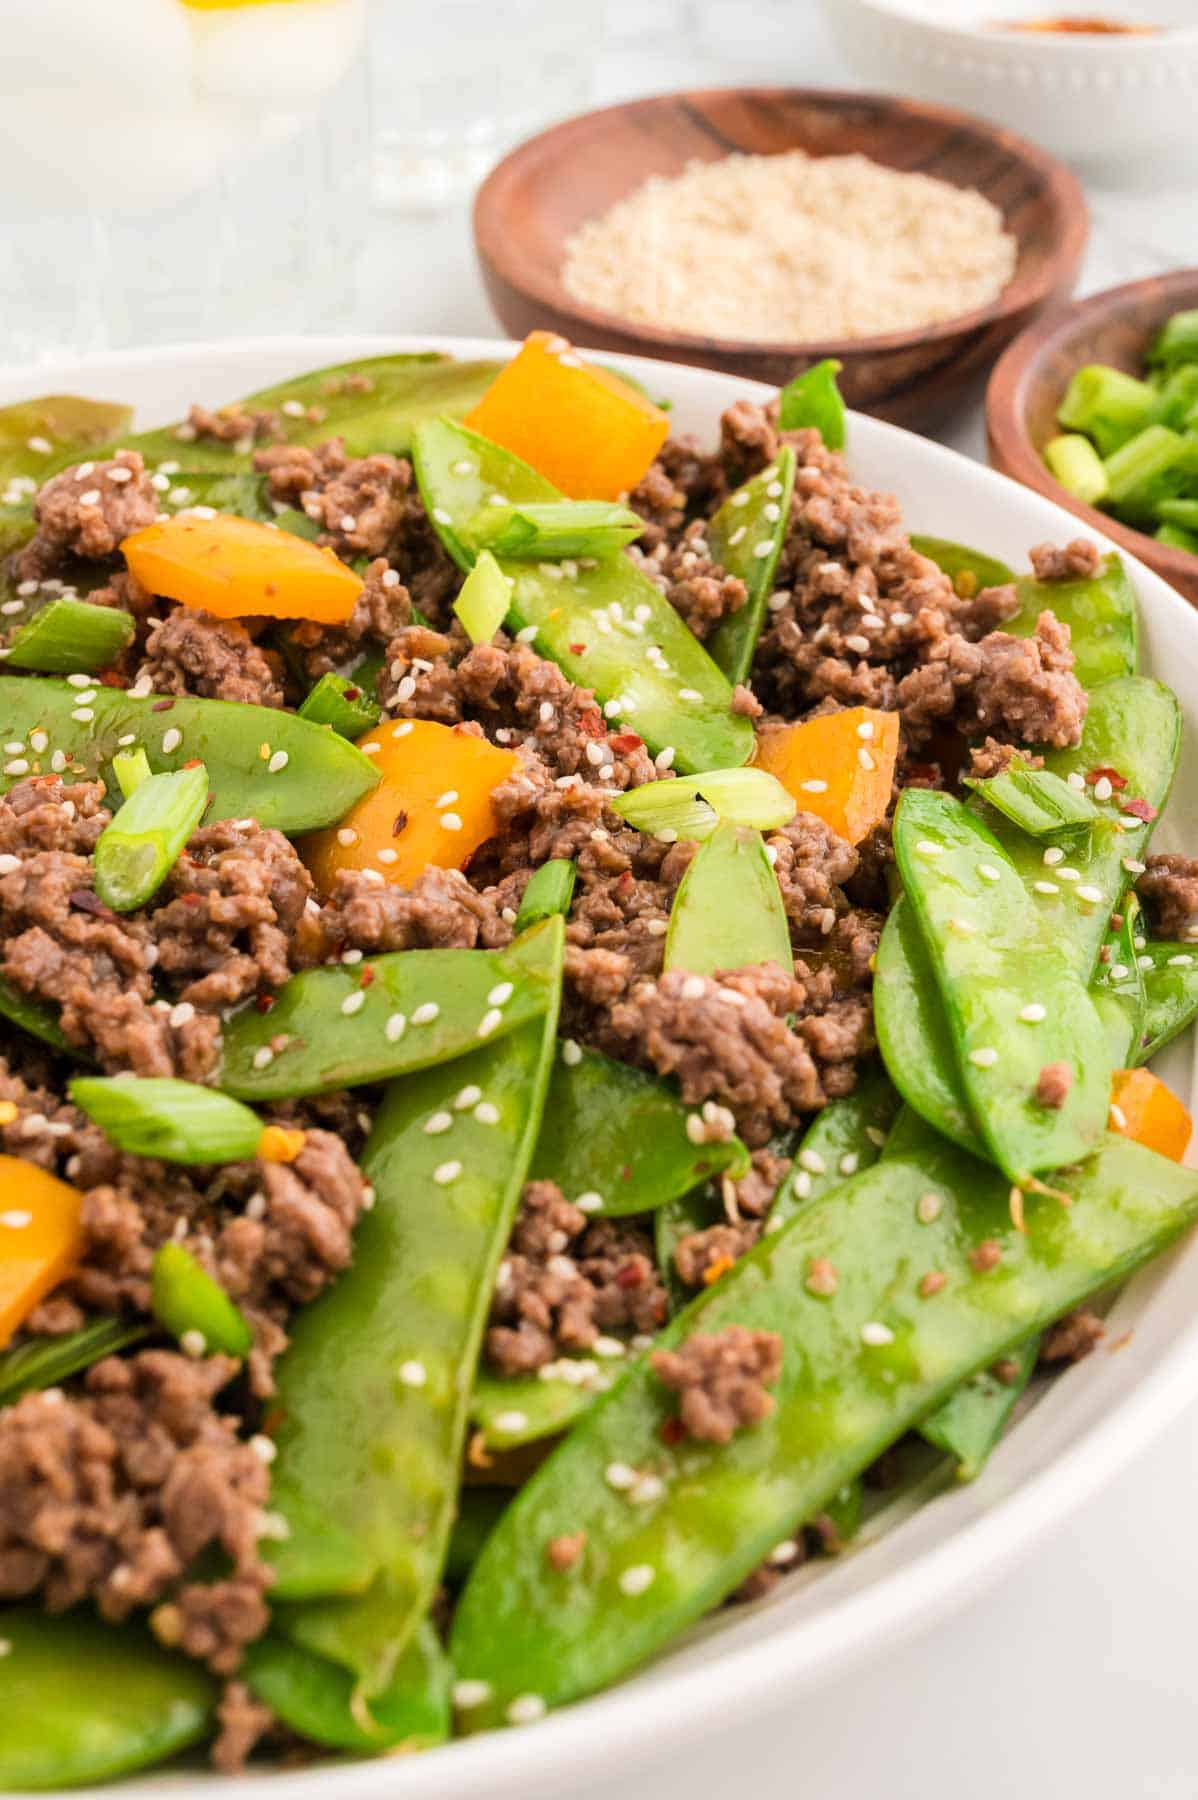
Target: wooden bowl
{"x":1031,"y":377}
{"x":538,"y":196}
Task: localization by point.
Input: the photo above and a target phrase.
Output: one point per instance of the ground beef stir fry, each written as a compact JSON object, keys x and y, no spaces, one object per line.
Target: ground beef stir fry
{"x":141,"y":1483}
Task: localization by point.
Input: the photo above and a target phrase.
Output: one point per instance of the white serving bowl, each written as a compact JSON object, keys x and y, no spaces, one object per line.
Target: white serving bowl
{"x":1095,"y":99}
{"x":927,"y":1553}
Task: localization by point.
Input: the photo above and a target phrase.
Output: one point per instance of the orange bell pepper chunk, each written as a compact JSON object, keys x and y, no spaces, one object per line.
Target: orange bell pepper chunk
{"x":1143,"y":1108}
{"x":432,"y":808}
{"x":236,"y":568}
{"x":839,"y":766}
{"x":587,"y":431}
{"x":40,"y":1238}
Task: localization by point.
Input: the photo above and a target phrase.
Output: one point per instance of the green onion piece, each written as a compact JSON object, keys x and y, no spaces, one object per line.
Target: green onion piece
{"x":45,"y":1362}
{"x":1037,"y":800}
{"x":1179,"y":395}
{"x":1180,"y":512}
{"x":176,"y":1120}
{"x":137,"y":850}
{"x":1176,"y":537}
{"x":187,"y":1301}
{"x":1139,"y":471}
{"x":1077,"y":466}
{"x":131,"y":768}
{"x":548,"y":893}
{"x":1176,"y":341}
{"x":483,"y":602}
{"x":692,"y":806}
{"x":71,"y":637}
{"x":556,"y":528}
{"x":1108,"y":406}
{"x":343,"y":704}
{"x":813,"y":399}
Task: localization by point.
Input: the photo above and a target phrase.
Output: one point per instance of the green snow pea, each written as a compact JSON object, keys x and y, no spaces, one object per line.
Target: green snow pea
{"x":343,"y":704}
{"x":858,"y":1369}
{"x":479,"y":1511}
{"x":227,"y":491}
{"x":85,"y":1702}
{"x":728,"y":910}
{"x":969,"y":570}
{"x":555,"y":528}
{"x":1014,"y":1001}
{"x":620,"y":1137}
{"x":67,"y":637}
{"x":187,"y":1301}
{"x":39,"y":436}
{"x":375,"y":1387}
{"x":1170,"y":995}
{"x":1100,"y":612}
{"x":970,"y":1422}
{"x":913,"y":1032}
{"x":422,"y":1007}
{"x":321,"y":779}
{"x":813,"y":400}
{"x":756,"y":515}
{"x":373,"y":404}
{"x":511,"y":1410}
{"x":607,"y":626}
{"x":36,"y":1017}
{"x":549,"y":892}
{"x":1118,"y":985}
{"x":45,"y":1362}
{"x":316,"y":1697}
{"x":844,"y":1138}
{"x":1039,"y":802}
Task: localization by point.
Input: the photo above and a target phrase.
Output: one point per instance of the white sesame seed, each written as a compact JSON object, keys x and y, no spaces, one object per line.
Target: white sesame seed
{"x":83,"y":714}
{"x":988,"y":872}
{"x":848,"y":1163}
{"x":649,"y":1488}
{"x":985,"y":1058}
{"x":182,"y":1014}
{"x":413,"y":1373}
{"x":263,"y":1057}
{"x":609,"y":1347}
{"x":394,"y":1029}
{"x":1143,"y":962}
{"x":193,"y":1344}
{"x":173,"y":738}
{"x":15,"y":1220}
{"x":926,"y":847}
{"x":467,"y":1097}
{"x":426,"y":1012}
{"x":814,"y":786}
{"x":812,"y":1161}
{"x":693,"y":988}
{"x":18,"y":766}
{"x":10,"y":863}
{"x":763,"y":549}
{"x":39,"y":741}
{"x":620,"y":1476}
{"x":1130,"y":863}
{"x":1102,"y":788}
{"x":1069,"y":874}
{"x":665,"y":758}
{"x":91,"y":498}
{"x":405,"y":689}
{"x":571,"y":1053}
{"x":928,"y":1208}
{"x":1120,"y":971}
{"x":346,"y":836}
{"x":39,"y":445}
{"x":865,"y":759}
{"x":438,"y":1122}
{"x":142,"y":688}
{"x":547,"y":712}
{"x":348,"y":522}
{"x":450,"y":821}
{"x":1181,"y":961}
{"x":1076,"y":781}
{"x":783,"y":1554}
{"x":876,"y":1335}
{"x":526,"y":1709}
{"x":486,"y":1113}
{"x":490,"y":1021}
{"x":734,"y":537}
{"x":468,"y":1694}
{"x":858,"y":643}
{"x":1118,"y":1117}
{"x":657,"y":927}
{"x":500,"y":994}
{"x":1053,"y":855}
{"x":865,"y":729}
{"x":1033,"y":1013}
{"x":446,"y":1172}
{"x":1089,"y":895}
{"x":353,"y":1003}
{"x":590,"y":1202}
{"x":802,"y":1185}
{"x":637,"y":1579}
{"x":527,"y":634}
{"x":1046,"y":887}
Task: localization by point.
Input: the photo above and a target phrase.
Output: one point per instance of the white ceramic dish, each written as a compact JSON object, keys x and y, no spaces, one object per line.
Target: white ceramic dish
{"x":919,"y":1560}
{"x":1096,"y":99}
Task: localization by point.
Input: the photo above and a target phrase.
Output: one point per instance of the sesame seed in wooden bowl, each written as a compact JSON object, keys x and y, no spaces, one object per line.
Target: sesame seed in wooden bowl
{"x":530,"y":210}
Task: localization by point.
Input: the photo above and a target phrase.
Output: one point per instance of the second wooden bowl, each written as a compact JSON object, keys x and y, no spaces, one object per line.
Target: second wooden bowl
{"x":543,"y":191}
{"x":1030,"y":379}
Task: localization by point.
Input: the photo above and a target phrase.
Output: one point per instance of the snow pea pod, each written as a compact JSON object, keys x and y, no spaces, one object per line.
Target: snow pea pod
{"x":746,"y":537}
{"x":549,"y":891}
{"x":511,"y":1410}
{"x":39,"y":436}
{"x":375,"y":1386}
{"x":1036,"y":800}
{"x":1118,"y":985}
{"x":970,"y":1422}
{"x":87,"y":1702}
{"x":307,"y":778}
{"x":67,"y":637}
{"x":606,"y":626}
{"x":316,"y":1697}
{"x":193,"y":1307}
{"x":479,"y":1511}
{"x":328,"y":1028}
{"x":969,"y":570}
{"x":1170,"y":995}
{"x":844,"y":1138}
{"x":813,"y":400}
{"x":728,"y":911}
{"x":342,"y":704}
{"x":1013,"y":1001}
{"x":1100,"y":611}
{"x":45,"y":1362}
{"x":621,"y":1138}
{"x":913,"y":1031}
{"x":34,"y":1016}
{"x":859,"y":1367}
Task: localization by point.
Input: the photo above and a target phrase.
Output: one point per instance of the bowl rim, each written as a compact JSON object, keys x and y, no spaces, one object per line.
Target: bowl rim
{"x":1061,"y":185}
{"x":1049,"y":44}
{"x":630,"y":1723}
{"x":1009,"y":441}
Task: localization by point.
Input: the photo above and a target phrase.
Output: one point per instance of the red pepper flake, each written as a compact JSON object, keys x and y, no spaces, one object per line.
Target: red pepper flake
{"x":1113,"y":776}
{"x":190,"y":899}
{"x":367,"y":977}
{"x":578,"y":649}
{"x":352,"y":693}
{"x":625,"y":741}
{"x":626,"y":1172}
{"x":672,"y":1431}
{"x":986,"y":1256}
{"x":591,"y":723}
{"x":192,"y":763}
{"x":630,"y":1275}
{"x":111,"y":679}
{"x":401,"y":819}
{"x":264,"y":1002}
{"x":624,"y":884}
{"x":84,"y":901}
{"x":1139,"y":809}
{"x":162,"y":706}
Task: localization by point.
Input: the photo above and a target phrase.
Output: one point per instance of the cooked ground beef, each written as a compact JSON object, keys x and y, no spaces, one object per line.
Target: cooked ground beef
{"x":243,"y":1722}
{"x":1072,"y":1338}
{"x":713,"y":1250}
{"x":695,"y":586}
{"x":228,"y":425}
{"x":440,"y":911}
{"x":190,"y":652}
{"x":1053,"y":1085}
{"x":381,"y":610}
{"x":722,"y":1379}
{"x":992,"y":758}
{"x":86,"y":511}
{"x":567,"y":1281}
{"x":683,"y":479}
{"x":1024,"y":687}
{"x":1169,"y":891}
{"x":1078,"y":561}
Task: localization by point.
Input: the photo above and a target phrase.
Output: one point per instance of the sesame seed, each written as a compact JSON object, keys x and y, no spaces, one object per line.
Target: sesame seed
{"x":876,"y":1335}
{"x":91,"y":498}
{"x":450,"y":821}
{"x":1053,"y":855}
{"x":1181,"y":961}
{"x":1076,"y":781}
{"x":263,"y":1057}
{"x":1069,"y":874}
{"x":490,"y":1021}
{"x":693,"y":988}
{"x":984,"y":1058}
{"x":665,"y":758}
{"x":413,"y":1373}
{"x":353,"y":1003}
{"x":16,"y":1221}
{"x":620,"y":1476}
{"x":526,"y":1709}
{"x":426,"y":1012}
{"x":39,"y":741}
{"x":173,"y":738}
{"x":395,"y":1027}
{"x":1143,"y":962}
{"x":1102,"y":788}
{"x":589,"y":1202}
{"x":649,"y":1488}
{"x":1033,"y":1013}
{"x":802,"y":1185}
{"x":486,"y":1113}
{"x":858,"y":643}
{"x":763,"y":549}
{"x":689,"y":694}
{"x":926,"y":847}
{"x":194,"y":1344}
{"x":1089,"y":895}
{"x":1118,"y":1117}
{"x":511,"y":1421}
{"x":571,"y":1053}
{"x":814,"y":787}
{"x":39,"y":445}
{"x":346,"y":836}
{"x":546,"y":712}
{"x":848,"y":1163}
{"x":9,"y":863}
{"x":812,"y":1161}
{"x":637,"y":1579}
{"x":446,"y":1172}
{"x":467,"y":1694}
{"x":83,"y":714}
{"x":18,"y":766}
{"x":438,"y":1122}
{"x":182,"y":1014}
{"x":741,"y":497}
{"x":865,"y":759}
{"x":468,"y":1097}
{"x":501,"y":994}
{"x":1130,"y":863}
{"x":988,"y":872}
{"x":735,"y":537}
{"x":348,"y":522}
{"x":1120,"y":971}
{"x":865,"y":729}
{"x":527,"y":634}
{"x":405,"y":689}
{"x":1046,"y":887}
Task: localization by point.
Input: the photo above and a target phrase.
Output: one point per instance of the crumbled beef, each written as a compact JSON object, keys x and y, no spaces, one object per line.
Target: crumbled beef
{"x":992,"y":758}
{"x":228,"y":425}
{"x":111,"y":1497}
{"x":1078,"y":561}
{"x":1022,"y":687}
{"x":696,"y":587}
{"x":753,"y":1195}
{"x":721,"y":1379}
{"x":1053,"y":1084}
{"x":565,"y":1282}
{"x":1072,"y":1338}
{"x":713,"y":1250}
{"x":683,"y":479}
{"x":190,"y":652}
{"x":243,"y":1722}
{"x":86,"y":511}
{"x":440,"y":911}
{"x":785,"y":1557}
{"x":812,"y":865}
{"x":561,"y":1553}
{"x":1169,"y":891}
{"x":625,"y":887}
{"x":381,"y":610}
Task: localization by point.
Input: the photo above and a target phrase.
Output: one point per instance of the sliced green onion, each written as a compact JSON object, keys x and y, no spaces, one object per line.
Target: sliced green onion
{"x":131,"y":768}
{"x":45,"y":1362}
{"x":483,"y":602}
{"x":692,"y":806}
{"x":549,"y":892}
{"x":813,"y":399}
{"x":553,"y":528}
{"x":1108,"y":406}
{"x":1177,"y":340}
{"x":343,"y":704}
{"x":71,"y":637}
{"x":194,"y":1308}
{"x":1138,"y":471}
{"x":1176,"y":537}
{"x":176,"y":1120}
{"x":1036,"y":800}
{"x":1180,"y":512}
{"x":1078,"y":467}
{"x":137,"y":849}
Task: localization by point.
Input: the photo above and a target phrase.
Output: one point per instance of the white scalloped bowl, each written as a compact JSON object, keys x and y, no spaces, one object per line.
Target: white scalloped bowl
{"x":927,"y":1553}
{"x":1097,"y":99}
